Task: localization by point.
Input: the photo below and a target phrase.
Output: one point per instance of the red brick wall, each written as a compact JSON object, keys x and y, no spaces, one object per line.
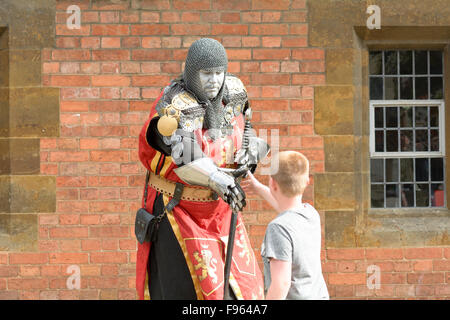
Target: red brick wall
{"x":110,"y":71}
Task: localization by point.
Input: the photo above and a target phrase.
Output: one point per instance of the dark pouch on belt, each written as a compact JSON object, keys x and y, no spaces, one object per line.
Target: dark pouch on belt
{"x":143,"y":225}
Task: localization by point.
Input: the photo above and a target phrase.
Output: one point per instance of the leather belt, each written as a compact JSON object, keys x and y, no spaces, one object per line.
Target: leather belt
{"x":190,"y":193}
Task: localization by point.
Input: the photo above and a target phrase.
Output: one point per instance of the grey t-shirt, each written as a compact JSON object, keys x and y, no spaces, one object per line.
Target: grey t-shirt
{"x":295,"y":236}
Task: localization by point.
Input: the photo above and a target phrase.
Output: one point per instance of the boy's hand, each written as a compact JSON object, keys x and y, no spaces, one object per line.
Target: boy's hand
{"x":250,"y":185}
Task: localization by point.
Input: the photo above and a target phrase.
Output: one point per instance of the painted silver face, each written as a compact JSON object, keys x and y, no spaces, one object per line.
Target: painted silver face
{"x":211,"y":81}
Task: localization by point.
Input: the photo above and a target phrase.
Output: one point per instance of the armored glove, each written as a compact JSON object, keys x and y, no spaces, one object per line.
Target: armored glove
{"x":227,"y":188}
{"x":203,"y":172}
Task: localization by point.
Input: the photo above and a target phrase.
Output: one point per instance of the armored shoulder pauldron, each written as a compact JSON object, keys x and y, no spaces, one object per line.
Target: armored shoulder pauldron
{"x":177,"y":103}
{"x":235,"y":97}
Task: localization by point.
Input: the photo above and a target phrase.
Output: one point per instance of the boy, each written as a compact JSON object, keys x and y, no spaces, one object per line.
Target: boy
{"x":291,"y":247}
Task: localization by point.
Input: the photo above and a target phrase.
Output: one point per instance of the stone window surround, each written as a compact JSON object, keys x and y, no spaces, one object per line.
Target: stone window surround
{"x":425,"y":222}
{"x":349,"y":221}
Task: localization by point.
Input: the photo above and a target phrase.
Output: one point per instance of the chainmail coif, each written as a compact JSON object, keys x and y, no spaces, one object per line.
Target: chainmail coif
{"x":206,"y":54}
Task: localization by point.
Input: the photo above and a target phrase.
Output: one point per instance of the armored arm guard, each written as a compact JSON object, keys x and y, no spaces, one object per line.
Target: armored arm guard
{"x":203,"y":172}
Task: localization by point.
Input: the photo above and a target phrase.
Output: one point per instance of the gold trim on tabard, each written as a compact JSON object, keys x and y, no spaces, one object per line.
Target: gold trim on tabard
{"x":177,"y":232}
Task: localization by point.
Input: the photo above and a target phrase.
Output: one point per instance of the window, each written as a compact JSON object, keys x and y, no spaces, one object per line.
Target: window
{"x":407,"y":129}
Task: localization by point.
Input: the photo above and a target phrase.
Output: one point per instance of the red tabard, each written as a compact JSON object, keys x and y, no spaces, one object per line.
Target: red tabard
{"x":202,"y":228}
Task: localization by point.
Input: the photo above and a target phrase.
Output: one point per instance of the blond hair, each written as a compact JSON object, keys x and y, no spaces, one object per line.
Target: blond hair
{"x":293,"y":173}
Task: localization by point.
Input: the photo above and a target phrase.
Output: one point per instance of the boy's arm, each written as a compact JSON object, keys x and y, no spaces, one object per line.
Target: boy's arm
{"x":280,"y":274}
{"x":262,"y":190}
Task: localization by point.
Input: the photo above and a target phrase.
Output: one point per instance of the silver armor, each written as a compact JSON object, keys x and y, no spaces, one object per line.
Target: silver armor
{"x":203,"y":172}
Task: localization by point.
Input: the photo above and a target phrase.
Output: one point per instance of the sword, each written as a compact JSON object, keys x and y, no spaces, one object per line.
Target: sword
{"x":237,"y":173}
{"x":231,"y":234}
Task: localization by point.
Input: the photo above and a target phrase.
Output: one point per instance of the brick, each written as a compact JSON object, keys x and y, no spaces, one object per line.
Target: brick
{"x":346,"y":278}
{"x":273,"y":16}
{"x":312,"y":66}
{"x":69,"y":156}
{"x":403,"y":266}
{"x":271,"y":54}
{"x":90,"y":68}
{"x":108,"y":257}
{"x":191,"y":5}
{"x":68,"y":42}
{"x":102,"y":131}
{"x":442,"y":290}
{"x":312,"y":142}
{"x":70,"y":81}
{"x":294,"y":42}
{"x":233,"y":29}
{"x":392,"y":278}
{"x":447,"y":253}
{"x":384,"y":254}
{"x":230,"y":17}
{"x":153,"y":17}
{"x":69,"y":232}
{"x":169,"y":17}
{"x":151,"y":42}
{"x":108,"y":206}
{"x":345,"y":254}
{"x":149,"y":29}
{"x":231,"y":5}
{"x":425,"y":290}
{"x":152,"y":55}
{"x":300,"y":130}
{"x":270,"y":79}
{"x":110,"y":81}
{"x":130,"y":67}
{"x":384,"y":291}
{"x":90,"y":42}
{"x":110,"y":55}
{"x":154,"y":80}
{"x":114,"y":156}
{"x":298,"y":29}
{"x":269,"y":29}
{"x":423,"y":265}
{"x":27,"y":284}
{"x":441,"y":265}
{"x":129,"y":16}
{"x":108,"y":106}
{"x":62,"y":30}
{"x":69,"y":119}
{"x":426,"y":278}
{"x":270,"y":5}
{"x":189,"y":29}
{"x":107,"y":283}
{"x":69,"y":257}
{"x":190,"y":16}
{"x":108,"y":181}
{"x":28,"y":258}
{"x":423,"y":253}
{"x":109,"y":17}
{"x":110,"y":42}
{"x":70,"y":55}
{"x":110,"y":29}
{"x":50,"y":67}
{"x":131,"y":42}
{"x":71,"y":181}
{"x":69,"y":219}
{"x":110,"y":5}
{"x":308,"y":79}
{"x":308,"y":54}
{"x":109,"y":232}
{"x":239,"y":54}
